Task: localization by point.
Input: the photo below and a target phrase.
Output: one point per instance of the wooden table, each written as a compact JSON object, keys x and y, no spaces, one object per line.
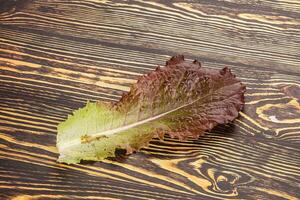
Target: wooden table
{"x":56,"y":55}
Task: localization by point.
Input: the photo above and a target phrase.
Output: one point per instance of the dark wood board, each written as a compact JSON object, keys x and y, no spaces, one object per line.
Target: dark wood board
{"x":56,"y":55}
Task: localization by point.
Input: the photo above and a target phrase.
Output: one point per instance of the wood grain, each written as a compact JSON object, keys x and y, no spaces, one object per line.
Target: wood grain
{"x":56,"y":55}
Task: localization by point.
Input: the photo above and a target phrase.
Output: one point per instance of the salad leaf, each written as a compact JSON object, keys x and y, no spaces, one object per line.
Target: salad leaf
{"x":181,"y":99}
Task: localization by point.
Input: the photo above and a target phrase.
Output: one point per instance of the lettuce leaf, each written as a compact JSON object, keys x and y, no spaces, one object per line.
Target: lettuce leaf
{"x":181,"y":99}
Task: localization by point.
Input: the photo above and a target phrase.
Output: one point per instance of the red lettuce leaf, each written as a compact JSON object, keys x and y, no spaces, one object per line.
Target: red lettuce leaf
{"x":181,"y":99}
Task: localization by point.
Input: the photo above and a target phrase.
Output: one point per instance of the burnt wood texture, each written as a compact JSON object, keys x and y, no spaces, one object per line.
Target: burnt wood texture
{"x":56,"y":55}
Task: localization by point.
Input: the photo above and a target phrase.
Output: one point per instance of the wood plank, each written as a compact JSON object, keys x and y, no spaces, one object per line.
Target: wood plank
{"x":245,"y":36}
{"x":56,"y":55}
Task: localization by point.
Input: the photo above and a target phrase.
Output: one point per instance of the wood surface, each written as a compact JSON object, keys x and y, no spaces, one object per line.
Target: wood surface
{"x":56,"y":55}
